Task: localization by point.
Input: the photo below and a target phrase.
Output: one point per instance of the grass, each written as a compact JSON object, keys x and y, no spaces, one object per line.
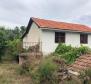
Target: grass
{"x":9,"y":75}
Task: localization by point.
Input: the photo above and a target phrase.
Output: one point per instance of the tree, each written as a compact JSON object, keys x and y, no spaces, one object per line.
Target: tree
{"x":22,"y":30}
{"x":10,"y":41}
{"x":2,"y":41}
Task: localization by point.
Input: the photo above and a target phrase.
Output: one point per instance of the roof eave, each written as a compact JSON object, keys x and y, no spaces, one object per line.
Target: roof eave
{"x":55,"y":29}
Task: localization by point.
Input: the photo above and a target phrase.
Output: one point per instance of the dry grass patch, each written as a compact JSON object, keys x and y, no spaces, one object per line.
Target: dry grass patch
{"x":9,"y":75}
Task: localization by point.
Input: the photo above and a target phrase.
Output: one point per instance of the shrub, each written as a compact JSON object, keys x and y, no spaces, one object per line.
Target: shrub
{"x":70,"y":56}
{"x":45,"y":73}
{"x":12,"y":50}
{"x":86,"y":76}
{"x":88,"y":73}
{"x":24,"y":68}
{"x":83,"y":49}
{"x":71,"y":53}
{"x":62,"y":48}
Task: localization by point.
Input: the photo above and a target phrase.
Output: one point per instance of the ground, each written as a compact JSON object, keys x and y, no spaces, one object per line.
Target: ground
{"x":9,"y":75}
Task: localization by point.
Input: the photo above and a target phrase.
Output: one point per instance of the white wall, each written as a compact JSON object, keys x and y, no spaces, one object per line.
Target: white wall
{"x":74,"y":40}
{"x":48,"y":42}
{"x":71,"y":38}
{"x":33,"y":36}
{"x":89,"y":40}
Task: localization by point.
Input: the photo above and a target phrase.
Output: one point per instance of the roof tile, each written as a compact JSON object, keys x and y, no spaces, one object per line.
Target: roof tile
{"x":61,"y":25}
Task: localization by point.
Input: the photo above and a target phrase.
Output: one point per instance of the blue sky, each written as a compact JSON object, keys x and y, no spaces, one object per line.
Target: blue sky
{"x":17,"y":12}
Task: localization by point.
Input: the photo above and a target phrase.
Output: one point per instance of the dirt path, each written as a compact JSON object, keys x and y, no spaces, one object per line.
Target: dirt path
{"x":9,"y":75}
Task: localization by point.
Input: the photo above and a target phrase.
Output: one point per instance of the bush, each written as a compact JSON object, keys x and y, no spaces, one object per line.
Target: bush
{"x":88,"y":73}
{"x":12,"y":51}
{"x":62,"y":48}
{"x":71,"y":56}
{"x":71,"y":53}
{"x":45,"y":73}
{"x":83,"y":49}
{"x":24,"y":68}
{"x":86,"y":76}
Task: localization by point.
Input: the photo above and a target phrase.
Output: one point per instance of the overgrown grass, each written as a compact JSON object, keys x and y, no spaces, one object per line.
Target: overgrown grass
{"x":70,"y":53}
{"x":9,"y":75}
{"x":46,"y":71}
{"x":44,"y":74}
{"x":85,"y":76}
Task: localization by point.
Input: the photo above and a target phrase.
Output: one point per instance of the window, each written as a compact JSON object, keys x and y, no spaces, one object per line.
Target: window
{"x":84,"y":38}
{"x":59,"y":37}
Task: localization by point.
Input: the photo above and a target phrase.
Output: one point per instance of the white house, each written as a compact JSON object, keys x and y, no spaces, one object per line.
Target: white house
{"x":50,"y":33}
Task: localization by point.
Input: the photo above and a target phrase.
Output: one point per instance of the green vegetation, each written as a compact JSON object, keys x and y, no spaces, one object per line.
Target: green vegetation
{"x":71,"y":53}
{"x":85,"y":76}
{"x":9,"y":49}
{"x":24,"y":69}
{"x":62,"y":48}
{"x":45,"y":72}
{"x":9,"y":42}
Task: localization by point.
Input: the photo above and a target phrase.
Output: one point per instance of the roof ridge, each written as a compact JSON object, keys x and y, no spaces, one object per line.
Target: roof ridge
{"x":51,"y":24}
{"x":59,"y":21}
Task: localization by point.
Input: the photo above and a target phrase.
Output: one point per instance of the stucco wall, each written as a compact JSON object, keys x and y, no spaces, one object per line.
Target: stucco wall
{"x":71,"y":38}
{"x":48,"y":42}
{"x":32,"y":37}
{"x":89,"y":40}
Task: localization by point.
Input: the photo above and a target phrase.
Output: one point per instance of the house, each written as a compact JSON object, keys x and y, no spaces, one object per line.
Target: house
{"x":49,"y":33}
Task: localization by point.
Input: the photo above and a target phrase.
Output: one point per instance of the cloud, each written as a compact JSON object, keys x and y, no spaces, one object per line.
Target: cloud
{"x":85,"y":19}
{"x":9,"y":25}
{"x":19,"y":11}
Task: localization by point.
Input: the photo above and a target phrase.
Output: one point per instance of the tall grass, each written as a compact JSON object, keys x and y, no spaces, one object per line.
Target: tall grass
{"x":45,"y":73}
{"x":9,"y":75}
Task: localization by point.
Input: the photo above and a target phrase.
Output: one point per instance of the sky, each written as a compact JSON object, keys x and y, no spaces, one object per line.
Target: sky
{"x":18,"y":12}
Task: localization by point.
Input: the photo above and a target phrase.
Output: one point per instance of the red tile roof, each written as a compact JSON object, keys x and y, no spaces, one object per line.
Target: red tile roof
{"x":61,"y":25}
{"x":49,"y":24}
{"x":82,"y":63}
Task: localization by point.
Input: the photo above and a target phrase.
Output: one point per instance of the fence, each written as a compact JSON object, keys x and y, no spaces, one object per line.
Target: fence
{"x":33,"y":46}
{"x":33,"y":52}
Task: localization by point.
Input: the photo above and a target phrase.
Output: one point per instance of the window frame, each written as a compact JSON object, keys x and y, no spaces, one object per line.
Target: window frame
{"x":83,"y":38}
{"x":59,"y":37}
